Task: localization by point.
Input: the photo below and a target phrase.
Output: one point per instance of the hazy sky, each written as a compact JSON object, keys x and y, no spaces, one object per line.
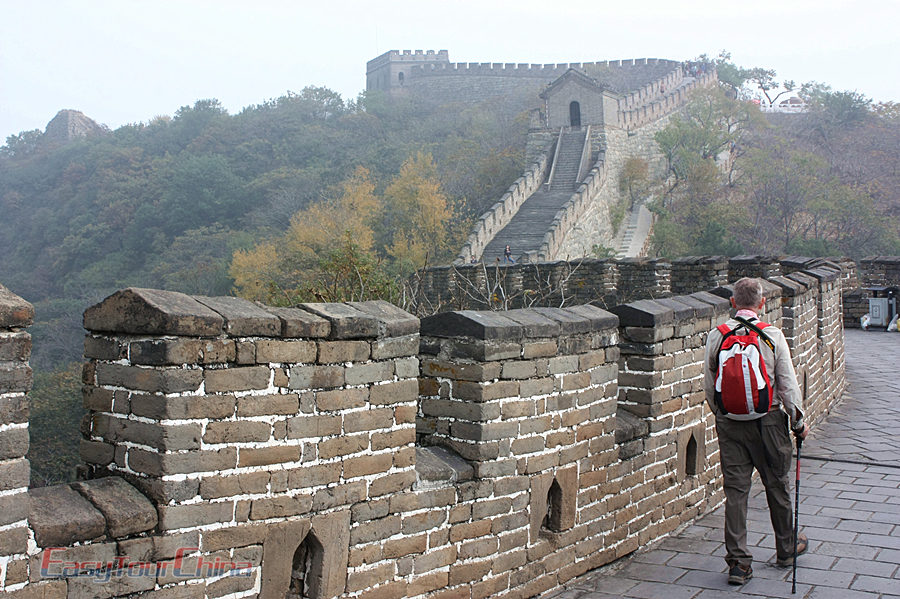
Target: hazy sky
{"x":124,"y":61}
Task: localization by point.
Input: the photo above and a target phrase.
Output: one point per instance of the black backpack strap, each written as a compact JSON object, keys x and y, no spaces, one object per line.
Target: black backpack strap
{"x":758,"y":331}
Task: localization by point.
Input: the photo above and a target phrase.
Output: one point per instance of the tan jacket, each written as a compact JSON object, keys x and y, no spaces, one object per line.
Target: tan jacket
{"x":779,"y":367}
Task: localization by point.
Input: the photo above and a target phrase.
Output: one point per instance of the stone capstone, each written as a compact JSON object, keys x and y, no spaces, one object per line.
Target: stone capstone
{"x":14,"y":311}
{"x":243,"y":318}
{"x":392,"y":321}
{"x":346,"y":321}
{"x":126,"y":510}
{"x":60,"y":517}
{"x":154,"y":312}
{"x":437,"y":465}
{"x":300,"y":323}
{"x":643,"y":313}
{"x":469,"y":323}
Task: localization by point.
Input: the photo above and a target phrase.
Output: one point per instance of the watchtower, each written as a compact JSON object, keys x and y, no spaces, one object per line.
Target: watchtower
{"x":392,"y":69}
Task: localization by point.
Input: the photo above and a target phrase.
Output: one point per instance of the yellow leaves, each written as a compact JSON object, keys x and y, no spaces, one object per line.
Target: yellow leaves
{"x":420,"y":216}
{"x":316,"y":229}
{"x":253,"y":270}
{"x":415,"y":222}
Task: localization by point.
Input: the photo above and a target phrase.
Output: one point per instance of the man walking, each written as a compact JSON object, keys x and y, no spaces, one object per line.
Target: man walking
{"x":749,"y":438}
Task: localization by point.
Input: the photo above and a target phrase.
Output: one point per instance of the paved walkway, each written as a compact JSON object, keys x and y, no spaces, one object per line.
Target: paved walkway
{"x":850,"y":512}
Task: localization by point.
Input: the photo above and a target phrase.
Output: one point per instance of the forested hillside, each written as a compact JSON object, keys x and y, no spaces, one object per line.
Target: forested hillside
{"x":167,"y":203}
{"x":309,"y":197}
{"x":824,"y":181}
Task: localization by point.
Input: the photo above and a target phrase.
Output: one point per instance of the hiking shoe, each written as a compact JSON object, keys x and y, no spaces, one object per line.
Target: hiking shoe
{"x":802,"y":546}
{"x":739,"y":574}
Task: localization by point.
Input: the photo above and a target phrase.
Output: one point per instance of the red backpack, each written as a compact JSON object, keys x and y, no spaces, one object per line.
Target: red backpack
{"x":743,"y":390}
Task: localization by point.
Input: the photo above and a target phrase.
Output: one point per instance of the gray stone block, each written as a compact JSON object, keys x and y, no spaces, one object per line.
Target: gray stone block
{"x":534,"y":324}
{"x":126,"y":510}
{"x":300,"y":323}
{"x":599,"y":318}
{"x":643,"y":313}
{"x":471,"y":323}
{"x":392,"y":321}
{"x":242,"y":317}
{"x":346,"y":321}
{"x":153,"y":312}
{"x":789,"y":287}
{"x":570,"y":323}
{"x":14,"y":311}
{"x":701,"y":309}
{"x":436,"y":465}
{"x":719,"y":303}
{"x":680,"y":310}
{"x":629,"y":427}
{"x":59,"y":517}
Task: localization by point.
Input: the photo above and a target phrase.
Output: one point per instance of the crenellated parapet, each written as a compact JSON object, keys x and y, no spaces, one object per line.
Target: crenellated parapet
{"x":351,"y":450}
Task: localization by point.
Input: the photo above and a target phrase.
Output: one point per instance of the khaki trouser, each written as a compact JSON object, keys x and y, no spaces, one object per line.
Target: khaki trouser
{"x":764,"y":444}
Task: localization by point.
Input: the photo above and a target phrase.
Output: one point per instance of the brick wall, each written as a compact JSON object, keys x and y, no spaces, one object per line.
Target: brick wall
{"x":348,"y":450}
{"x":875,"y":271}
{"x":15,"y":381}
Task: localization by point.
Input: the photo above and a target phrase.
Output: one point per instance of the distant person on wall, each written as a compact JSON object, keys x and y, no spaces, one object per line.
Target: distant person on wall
{"x":507,"y":256}
{"x":752,"y":389}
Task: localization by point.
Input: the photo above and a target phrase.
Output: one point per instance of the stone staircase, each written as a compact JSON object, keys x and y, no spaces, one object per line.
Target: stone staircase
{"x":525,"y":232}
{"x":635,"y":233}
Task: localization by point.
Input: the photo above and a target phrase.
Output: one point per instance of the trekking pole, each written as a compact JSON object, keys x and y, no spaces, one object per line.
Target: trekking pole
{"x":796,"y":515}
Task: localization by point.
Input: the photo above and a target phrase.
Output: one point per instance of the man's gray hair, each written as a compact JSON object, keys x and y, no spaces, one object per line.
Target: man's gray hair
{"x":748,"y":292}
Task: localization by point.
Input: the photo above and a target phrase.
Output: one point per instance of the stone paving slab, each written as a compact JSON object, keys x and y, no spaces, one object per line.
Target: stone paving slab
{"x":849,"y":511}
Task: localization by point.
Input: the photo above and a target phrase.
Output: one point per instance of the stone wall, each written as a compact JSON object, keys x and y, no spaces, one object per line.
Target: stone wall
{"x":348,"y":450}
{"x":499,"y":215}
{"x":875,"y":271}
{"x":587,"y":219}
{"x":15,"y":382}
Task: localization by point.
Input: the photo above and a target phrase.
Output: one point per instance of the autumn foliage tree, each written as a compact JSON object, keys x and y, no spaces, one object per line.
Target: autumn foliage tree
{"x":355,"y":245}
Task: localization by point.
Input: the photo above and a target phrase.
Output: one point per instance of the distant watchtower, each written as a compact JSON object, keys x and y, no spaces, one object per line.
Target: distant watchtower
{"x":392,"y":69}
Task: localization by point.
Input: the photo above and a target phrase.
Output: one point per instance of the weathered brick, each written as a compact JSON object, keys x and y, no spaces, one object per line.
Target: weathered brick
{"x":164,"y":437}
{"x":214,"y":487}
{"x":280,"y":507}
{"x":305,"y":427}
{"x":273,"y":350}
{"x":14,"y":474}
{"x":156,"y":464}
{"x":342,"y":446}
{"x":316,"y":377}
{"x":243,"y":378}
{"x":314,"y":475}
{"x":14,"y":409}
{"x":483,"y":371}
{"x":368,"y":420}
{"x":265,"y":456}
{"x":433,"y":560}
{"x":341,"y":399}
{"x":15,"y":377}
{"x":153,"y":380}
{"x":366,"y":465}
{"x":264,"y":405}
{"x":371,"y":372}
{"x":334,"y":352}
{"x":485,"y":391}
{"x":392,"y":347}
{"x":98,"y":348}
{"x":394,"y":392}
{"x":183,"y":407}
{"x":13,"y":443}
{"x":240,"y":431}
{"x":392,"y":483}
{"x":393,"y":439}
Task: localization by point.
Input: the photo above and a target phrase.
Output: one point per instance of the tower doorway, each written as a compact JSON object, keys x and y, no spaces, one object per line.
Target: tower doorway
{"x":575,"y":114}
